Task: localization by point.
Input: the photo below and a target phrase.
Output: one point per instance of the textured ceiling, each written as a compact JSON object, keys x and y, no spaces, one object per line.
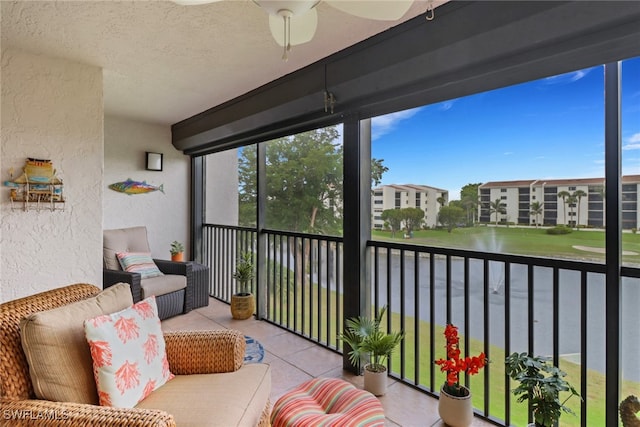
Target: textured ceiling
{"x":163,"y":62}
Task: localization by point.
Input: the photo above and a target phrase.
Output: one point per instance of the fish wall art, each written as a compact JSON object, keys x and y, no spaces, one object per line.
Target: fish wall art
{"x":130,"y":187}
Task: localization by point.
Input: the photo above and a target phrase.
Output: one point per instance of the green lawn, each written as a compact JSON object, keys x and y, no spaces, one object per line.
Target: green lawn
{"x":520,"y":241}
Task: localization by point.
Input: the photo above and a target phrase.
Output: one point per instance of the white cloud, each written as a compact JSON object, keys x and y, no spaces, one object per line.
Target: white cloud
{"x":446,"y":105}
{"x":635,"y":138}
{"x":571,"y":77}
{"x":508,"y":153}
{"x":633,"y":142}
{"x":382,"y":125}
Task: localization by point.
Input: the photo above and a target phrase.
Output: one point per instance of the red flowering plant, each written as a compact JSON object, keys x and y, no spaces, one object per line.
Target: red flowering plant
{"x":453,"y":365}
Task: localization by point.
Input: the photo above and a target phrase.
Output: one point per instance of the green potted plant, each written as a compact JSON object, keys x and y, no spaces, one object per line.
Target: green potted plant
{"x":177,"y":251}
{"x":242,"y":301}
{"x":541,"y":384}
{"x":367,"y":340}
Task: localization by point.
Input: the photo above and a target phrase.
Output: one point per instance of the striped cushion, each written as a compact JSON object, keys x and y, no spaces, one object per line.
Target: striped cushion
{"x":327,"y":402}
{"x":138,"y":262}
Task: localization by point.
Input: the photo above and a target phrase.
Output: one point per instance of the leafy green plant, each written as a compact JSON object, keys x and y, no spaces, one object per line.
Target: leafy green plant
{"x":366,"y":339}
{"x":244,"y":272}
{"x":176,"y":247}
{"x":559,"y":229}
{"x":541,"y":384}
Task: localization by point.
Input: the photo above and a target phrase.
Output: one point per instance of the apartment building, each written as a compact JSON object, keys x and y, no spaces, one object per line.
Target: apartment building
{"x":585,"y":208}
{"x":427,"y":198}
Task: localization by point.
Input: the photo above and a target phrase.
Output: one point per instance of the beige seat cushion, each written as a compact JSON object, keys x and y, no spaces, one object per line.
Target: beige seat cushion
{"x":161,"y":285}
{"x":229,"y":399}
{"x":57,"y":352}
{"x":133,"y":239}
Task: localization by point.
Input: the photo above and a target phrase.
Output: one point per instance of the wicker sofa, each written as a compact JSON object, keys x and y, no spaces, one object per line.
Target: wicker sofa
{"x":212,"y":386}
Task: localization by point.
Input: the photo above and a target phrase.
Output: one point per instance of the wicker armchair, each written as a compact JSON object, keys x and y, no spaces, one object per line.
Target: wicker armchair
{"x":188,"y":352}
{"x":178,"y":300}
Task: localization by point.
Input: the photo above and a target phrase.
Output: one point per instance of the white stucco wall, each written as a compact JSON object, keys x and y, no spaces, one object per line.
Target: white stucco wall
{"x":51,"y":109}
{"x":166,"y":216}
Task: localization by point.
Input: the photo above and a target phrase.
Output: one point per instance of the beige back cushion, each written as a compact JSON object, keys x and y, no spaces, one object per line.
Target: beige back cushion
{"x":133,"y":239}
{"x":60,"y":363}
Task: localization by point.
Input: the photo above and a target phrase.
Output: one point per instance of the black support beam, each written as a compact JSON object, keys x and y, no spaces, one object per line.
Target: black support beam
{"x":613,"y":221}
{"x":357,"y":221}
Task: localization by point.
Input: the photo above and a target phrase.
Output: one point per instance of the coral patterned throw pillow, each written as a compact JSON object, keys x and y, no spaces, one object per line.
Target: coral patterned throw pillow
{"x":128,"y":352}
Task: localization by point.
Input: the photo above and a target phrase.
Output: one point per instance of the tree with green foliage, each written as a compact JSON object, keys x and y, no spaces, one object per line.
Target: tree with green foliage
{"x":304,"y":176}
{"x":536,"y":209}
{"x":377,"y":170}
{"x":303,"y":180}
{"x":412,"y":218}
{"x":497,"y":207}
{"x":247,"y":186}
{"x":457,"y":203}
{"x":441,"y":200}
{"x":563,"y":195}
{"x":393,"y":217}
{"x":450,"y":216}
{"x":304,"y":185}
{"x":578,"y":194}
{"x":470,"y":201}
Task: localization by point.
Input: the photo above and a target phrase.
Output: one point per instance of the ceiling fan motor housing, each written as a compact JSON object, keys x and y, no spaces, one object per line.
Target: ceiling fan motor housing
{"x":287,"y":7}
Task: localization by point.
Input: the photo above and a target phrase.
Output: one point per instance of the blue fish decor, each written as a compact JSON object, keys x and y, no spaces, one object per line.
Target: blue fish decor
{"x":135,"y":187}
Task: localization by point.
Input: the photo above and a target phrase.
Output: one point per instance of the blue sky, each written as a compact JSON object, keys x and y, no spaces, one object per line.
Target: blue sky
{"x":548,"y":128}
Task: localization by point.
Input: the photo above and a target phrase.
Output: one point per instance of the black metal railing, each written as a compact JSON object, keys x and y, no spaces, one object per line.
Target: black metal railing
{"x":303,"y":277}
{"x":501,"y":303}
{"x":304,"y":285}
{"x":222,"y":245}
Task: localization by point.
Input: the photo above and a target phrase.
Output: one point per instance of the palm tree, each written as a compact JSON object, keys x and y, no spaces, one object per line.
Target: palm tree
{"x":578,"y":194}
{"x":497,"y":207}
{"x":441,"y":200}
{"x":563,"y":195}
{"x":571,"y":201}
{"x":471,"y":204}
{"x":536,"y":210}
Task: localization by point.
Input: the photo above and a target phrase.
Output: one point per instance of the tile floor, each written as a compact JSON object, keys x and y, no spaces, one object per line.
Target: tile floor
{"x":294,"y":360}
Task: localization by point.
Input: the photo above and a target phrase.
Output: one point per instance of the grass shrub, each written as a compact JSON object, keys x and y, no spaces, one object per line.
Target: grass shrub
{"x":559,"y":229}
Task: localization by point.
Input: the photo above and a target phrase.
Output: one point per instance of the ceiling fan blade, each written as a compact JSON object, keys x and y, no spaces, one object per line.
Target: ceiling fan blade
{"x":381,"y":10}
{"x":193,"y":2}
{"x":302,"y":28}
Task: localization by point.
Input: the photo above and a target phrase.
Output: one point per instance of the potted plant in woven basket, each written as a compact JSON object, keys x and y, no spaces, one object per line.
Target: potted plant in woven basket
{"x":367,"y":339}
{"x":177,"y":251}
{"x":541,"y":384}
{"x":454,"y":404}
{"x":243,"y":303}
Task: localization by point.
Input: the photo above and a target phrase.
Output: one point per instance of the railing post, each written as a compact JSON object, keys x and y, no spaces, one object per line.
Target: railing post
{"x":613,"y":240}
{"x":357,"y":220}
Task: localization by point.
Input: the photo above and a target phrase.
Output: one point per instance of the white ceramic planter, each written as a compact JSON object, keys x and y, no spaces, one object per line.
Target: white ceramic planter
{"x":375,"y":382}
{"x":455,"y":411}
